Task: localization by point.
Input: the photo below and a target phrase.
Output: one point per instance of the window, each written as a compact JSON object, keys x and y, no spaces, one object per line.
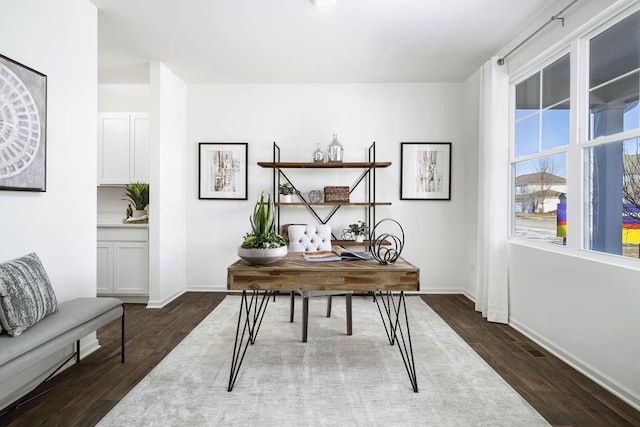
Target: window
{"x":612,"y":167}
{"x":541,"y":134}
{"x":605,"y":148}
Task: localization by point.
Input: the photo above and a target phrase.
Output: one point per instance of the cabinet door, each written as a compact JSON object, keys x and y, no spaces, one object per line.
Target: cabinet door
{"x":131,"y":268}
{"x":139,"y":147}
{"x":105,"y":268}
{"x":113,"y":148}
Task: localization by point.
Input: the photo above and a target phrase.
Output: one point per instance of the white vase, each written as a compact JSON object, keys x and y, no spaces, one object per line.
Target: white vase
{"x":359,"y":238}
{"x":285,"y":198}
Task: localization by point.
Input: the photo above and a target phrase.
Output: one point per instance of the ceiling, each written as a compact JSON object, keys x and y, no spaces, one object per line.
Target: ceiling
{"x":291,"y":41}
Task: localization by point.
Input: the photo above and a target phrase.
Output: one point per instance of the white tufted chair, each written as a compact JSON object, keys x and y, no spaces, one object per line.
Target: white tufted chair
{"x":313,"y":238}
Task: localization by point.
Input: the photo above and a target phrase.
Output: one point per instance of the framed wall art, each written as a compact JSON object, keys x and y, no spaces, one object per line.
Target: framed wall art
{"x":222,"y":170}
{"x":23,"y":127}
{"x":425,"y":171}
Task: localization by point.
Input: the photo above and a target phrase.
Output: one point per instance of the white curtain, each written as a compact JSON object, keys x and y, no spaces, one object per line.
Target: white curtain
{"x":492,"y":286}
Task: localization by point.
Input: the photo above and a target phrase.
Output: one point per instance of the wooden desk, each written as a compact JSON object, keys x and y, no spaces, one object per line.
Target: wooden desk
{"x":293,"y":273}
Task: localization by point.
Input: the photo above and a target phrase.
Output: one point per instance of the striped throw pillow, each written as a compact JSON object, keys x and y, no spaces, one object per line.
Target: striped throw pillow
{"x":26,"y":295}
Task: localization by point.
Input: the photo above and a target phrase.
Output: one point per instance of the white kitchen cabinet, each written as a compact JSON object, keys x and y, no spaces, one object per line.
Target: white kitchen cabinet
{"x":123,"y":261}
{"x":123,"y":148}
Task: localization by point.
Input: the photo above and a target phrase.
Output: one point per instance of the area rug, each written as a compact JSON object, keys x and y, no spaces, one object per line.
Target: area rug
{"x":331,"y":380}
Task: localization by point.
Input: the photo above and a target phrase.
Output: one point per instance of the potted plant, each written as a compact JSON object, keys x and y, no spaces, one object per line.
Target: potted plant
{"x":263,"y":245}
{"x":359,"y":230}
{"x":286,"y":190}
{"x":138,"y":194}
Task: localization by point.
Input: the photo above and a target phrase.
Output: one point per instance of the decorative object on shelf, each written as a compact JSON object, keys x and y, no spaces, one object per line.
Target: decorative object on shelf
{"x":315,"y":196}
{"x":425,"y":171}
{"x":336,"y":150}
{"x":357,"y":231}
{"x":23,"y":122}
{"x":129,"y":211}
{"x":286,"y":190}
{"x":223,"y":173}
{"x":263,"y":245}
{"x":138,"y":194}
{"x":387,"y":247}
{"x":336,"y":194}
{"x":318,"y":155}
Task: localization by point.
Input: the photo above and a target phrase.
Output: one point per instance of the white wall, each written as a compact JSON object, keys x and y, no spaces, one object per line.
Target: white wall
{"x":585,"y":310}
{"x":471,"y":132}
{"x":123,"y":98}
{"x":299,"y":116}
{"x":60,"y":224}
{"x":167,"y":216}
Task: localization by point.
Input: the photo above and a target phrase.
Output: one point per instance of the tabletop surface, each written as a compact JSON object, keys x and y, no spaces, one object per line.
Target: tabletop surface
{"x":294,"y":273}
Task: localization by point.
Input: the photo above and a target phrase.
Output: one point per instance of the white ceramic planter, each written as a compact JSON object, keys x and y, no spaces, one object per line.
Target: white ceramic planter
{"x":262,"y":256}
{"x":139,"y":213}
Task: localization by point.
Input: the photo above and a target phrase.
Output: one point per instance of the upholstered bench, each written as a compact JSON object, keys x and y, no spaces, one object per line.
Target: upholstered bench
{"x":73,"y":320}
{"x":36,"y":326}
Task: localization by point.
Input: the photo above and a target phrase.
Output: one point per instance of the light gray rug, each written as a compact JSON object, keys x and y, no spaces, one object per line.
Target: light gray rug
{"x":332,"y":380}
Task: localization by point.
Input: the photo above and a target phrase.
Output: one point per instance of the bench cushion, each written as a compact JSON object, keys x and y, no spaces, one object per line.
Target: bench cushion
{"x":75,"y":319}
{"x":26,"y":295}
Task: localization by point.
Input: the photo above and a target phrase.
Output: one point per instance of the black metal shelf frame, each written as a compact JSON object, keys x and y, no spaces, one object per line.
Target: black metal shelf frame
{"x":368,"y":175}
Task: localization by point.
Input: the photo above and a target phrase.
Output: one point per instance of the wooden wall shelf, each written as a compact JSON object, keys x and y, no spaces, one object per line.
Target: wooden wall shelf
{"x":323,"y":165}
{"x":331,"y":204}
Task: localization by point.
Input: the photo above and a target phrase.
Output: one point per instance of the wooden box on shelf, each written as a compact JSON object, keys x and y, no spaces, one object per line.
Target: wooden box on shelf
{"x":336,"y":194}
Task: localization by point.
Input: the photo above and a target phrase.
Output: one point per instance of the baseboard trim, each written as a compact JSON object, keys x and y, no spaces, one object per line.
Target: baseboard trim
{"x":165,"y":301}
{"x":602,"y":379}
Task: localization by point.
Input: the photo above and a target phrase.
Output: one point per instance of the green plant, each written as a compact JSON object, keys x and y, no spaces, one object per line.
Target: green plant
{"x":138,"y":194}
{"x":359,"y":229}
{"x":287,"y":188}
{"x":263,"y":234}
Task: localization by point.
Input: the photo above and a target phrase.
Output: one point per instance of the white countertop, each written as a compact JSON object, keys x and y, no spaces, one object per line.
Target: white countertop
{"x":115,"y":220}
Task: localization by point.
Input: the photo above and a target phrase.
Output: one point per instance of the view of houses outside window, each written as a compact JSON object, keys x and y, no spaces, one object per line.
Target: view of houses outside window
{"x":611,"y":159}
{"x":542,"y":132}
{"x":609,"y":154}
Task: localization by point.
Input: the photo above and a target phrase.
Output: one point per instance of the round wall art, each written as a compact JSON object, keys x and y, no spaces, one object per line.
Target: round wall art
{"x":22,"y":104}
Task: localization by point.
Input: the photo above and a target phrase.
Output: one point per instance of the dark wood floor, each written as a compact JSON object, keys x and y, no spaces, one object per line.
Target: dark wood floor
{"x":89,"y":390}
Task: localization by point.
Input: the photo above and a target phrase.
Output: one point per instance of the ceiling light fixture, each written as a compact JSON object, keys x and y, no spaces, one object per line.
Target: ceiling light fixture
{"x":324,"y":4}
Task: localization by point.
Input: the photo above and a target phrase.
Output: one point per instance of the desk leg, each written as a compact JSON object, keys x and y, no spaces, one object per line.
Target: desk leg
{"x":391,"y":315}
{"x":252,"y":310}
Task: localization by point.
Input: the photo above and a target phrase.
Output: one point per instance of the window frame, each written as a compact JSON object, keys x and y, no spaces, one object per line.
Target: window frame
{"x":578,"y":210}
{"x":517,"y":78}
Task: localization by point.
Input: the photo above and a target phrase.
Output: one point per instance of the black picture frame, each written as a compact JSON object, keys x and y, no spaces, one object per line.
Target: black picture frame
{"x":222,"y":170}
{"x":425,"y":171}
{"x":23,"y":128}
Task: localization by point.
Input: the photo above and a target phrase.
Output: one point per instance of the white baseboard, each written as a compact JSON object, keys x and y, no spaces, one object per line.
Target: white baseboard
{"x":165,"y":301}
{"x":624,"y":393}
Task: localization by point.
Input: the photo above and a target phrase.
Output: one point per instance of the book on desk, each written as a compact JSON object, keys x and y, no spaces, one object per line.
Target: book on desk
{"x":337,"y":253}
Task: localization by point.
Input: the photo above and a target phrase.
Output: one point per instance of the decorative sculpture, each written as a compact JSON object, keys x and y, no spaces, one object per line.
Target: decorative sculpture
{"x":387,"y":247}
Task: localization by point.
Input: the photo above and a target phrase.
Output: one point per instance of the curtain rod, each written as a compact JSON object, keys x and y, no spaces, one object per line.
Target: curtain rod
{"x":555,"y":17}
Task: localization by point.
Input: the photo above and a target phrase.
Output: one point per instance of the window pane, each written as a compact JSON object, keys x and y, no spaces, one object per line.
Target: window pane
{"x":631,"y":116}
{"x":556,"y":82}
{"x":612,"y":106}
{"x":615,"y":52}
{"x":556,"y":126}
{"x":613,"y":187}
{"x":527,"y":133}
{"x":540,"y":194}
{"x":528,"y":96}
{"x":533,"y":134}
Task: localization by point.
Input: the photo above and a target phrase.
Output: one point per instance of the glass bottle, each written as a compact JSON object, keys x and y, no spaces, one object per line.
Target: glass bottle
{"x":318,"y":155}
{"x":335,"y":150}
